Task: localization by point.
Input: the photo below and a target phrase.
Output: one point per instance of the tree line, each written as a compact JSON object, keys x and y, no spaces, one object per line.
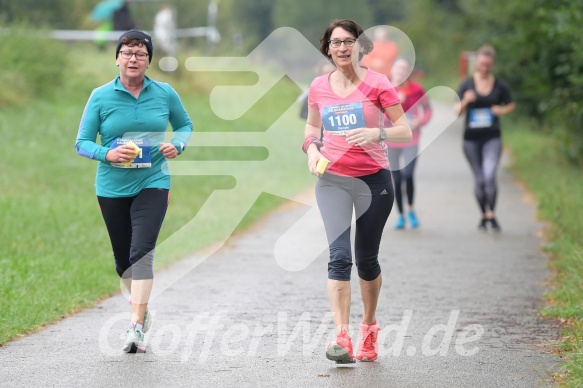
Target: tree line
{"x":540,"y":53}
{"x":539,"y":43}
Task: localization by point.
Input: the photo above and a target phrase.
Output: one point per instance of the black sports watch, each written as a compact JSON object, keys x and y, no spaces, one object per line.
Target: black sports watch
{"x":180,"y":148}
{"x":383,"y":134}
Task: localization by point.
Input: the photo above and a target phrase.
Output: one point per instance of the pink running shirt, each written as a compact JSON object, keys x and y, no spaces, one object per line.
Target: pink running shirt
{"x":416,"y":105}
{"x":362,"y":108}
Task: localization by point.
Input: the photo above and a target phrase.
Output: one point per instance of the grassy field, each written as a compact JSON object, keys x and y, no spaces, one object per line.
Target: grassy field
{"x":558,"y":188}
{"x":55,"y":256}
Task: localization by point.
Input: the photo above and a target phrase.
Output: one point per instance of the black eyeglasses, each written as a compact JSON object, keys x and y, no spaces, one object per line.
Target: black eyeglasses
{"x":140,"y":56}
{"x":337,"y":42}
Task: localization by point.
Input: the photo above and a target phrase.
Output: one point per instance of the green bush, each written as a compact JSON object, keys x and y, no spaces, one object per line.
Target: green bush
{"x":32,"y":64}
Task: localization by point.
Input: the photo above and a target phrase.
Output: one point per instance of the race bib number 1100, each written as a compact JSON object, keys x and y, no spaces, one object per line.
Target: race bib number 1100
{"x":341,"y":119}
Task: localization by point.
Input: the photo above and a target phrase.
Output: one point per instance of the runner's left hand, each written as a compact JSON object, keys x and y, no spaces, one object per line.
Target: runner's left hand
{"x":497,"y":110}
{"x":168,"y":150}
{"x":362,"y":136}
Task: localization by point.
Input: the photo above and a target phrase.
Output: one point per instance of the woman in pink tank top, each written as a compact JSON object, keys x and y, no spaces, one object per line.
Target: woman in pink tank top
{"x":350,"y":104}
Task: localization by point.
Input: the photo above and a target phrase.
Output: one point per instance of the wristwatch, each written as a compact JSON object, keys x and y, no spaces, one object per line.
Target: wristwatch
{"x":180,"y":147}
{"x":383,"y":134}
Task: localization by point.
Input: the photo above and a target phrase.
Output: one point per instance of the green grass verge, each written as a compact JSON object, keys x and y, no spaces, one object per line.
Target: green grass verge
{"x":558,"y":188}
{"x":55,"y":256}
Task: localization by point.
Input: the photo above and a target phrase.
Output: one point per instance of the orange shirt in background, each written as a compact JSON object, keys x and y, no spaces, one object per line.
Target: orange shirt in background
{"x":382,"y":56}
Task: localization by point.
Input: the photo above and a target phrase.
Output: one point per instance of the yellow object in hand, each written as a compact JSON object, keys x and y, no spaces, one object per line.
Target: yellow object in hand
{"x":322,"y":164}
{"x":137,"y":150}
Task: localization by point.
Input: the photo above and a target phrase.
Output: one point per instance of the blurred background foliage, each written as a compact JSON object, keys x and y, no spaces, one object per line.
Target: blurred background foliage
{"x":539,"y":43}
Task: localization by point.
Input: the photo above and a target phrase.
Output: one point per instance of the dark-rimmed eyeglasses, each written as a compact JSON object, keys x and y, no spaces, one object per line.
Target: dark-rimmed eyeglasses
{"x":337,"y":42}
{"x":140,"y":56}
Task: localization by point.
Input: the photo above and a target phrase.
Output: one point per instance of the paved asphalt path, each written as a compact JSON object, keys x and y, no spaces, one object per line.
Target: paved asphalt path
{"x":458,"y":307}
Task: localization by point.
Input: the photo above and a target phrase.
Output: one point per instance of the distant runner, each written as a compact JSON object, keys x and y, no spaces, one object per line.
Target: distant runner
{"x":484,"y":98}
{"x":403,"y":157}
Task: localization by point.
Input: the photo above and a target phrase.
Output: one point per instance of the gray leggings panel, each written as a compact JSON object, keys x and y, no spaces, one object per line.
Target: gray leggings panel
{"x":484,"y":157}
{"x":371,"y":198}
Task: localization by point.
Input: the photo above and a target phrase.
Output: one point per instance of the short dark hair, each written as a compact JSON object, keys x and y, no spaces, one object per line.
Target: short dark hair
{"x":351,"y":27}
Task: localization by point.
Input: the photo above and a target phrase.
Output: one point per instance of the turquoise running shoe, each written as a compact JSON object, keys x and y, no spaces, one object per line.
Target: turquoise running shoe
{"x":400,"y":222}
{"x":413,"y":219}
{"x":134,"y":342}
{"x":147,"y":319}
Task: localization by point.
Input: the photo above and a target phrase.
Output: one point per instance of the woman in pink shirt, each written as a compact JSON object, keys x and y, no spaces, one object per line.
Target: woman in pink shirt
{"x":351,"y":104}
{"x":402,"y":157}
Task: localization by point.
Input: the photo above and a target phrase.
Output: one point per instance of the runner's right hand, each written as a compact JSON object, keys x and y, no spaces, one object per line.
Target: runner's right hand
{"x":121,"y":154}
{"x":469,"y":96}
{"x":313,"y":156}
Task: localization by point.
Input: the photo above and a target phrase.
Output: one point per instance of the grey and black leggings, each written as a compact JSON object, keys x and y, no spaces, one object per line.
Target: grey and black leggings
{"x":371,"y":197}
{"x":484,"y":156}
{"x":133,"y":224}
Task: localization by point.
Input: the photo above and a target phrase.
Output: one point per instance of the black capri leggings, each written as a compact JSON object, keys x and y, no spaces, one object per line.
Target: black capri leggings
{"x":133,"y":224}
{"x":403,"y":174}
{"x":371,"y":197}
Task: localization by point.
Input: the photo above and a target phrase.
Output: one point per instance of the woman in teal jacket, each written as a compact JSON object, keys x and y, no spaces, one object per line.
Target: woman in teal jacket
{"x":131,"y":114}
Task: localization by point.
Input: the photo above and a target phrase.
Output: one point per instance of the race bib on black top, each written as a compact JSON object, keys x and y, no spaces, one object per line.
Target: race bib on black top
{"x":142,"y":160}
{"x":480,"y":118}
{"x":341,"y":119}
